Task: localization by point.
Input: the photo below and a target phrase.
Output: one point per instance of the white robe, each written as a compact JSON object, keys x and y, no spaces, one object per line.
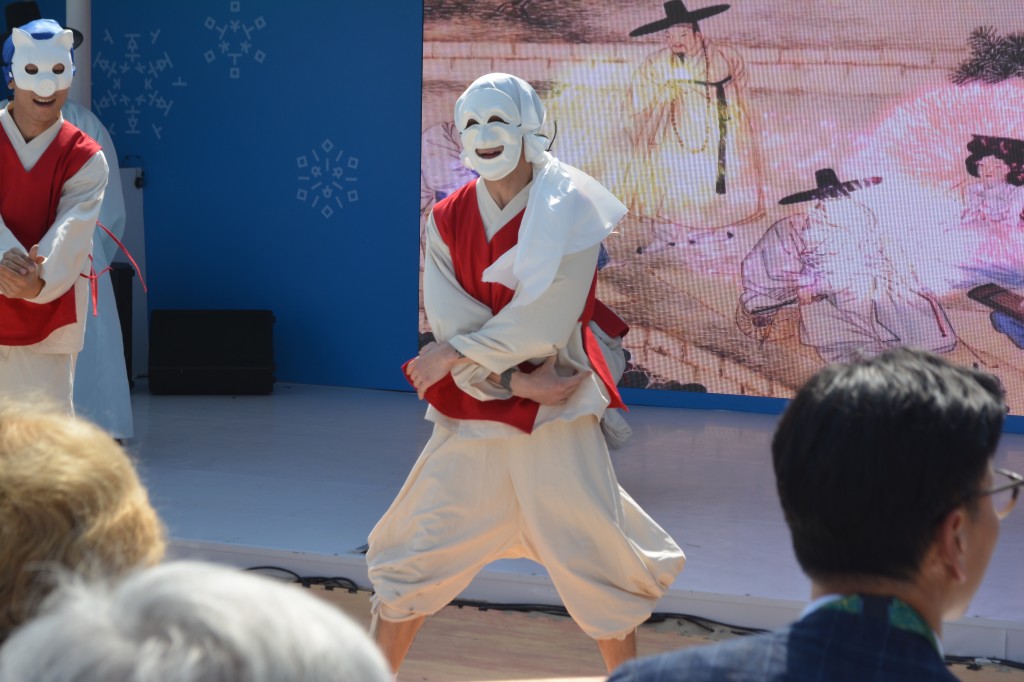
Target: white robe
{"x":101,"y":378}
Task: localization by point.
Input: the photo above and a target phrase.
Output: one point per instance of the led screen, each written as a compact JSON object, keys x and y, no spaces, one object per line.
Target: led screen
{"x":806,"y":180}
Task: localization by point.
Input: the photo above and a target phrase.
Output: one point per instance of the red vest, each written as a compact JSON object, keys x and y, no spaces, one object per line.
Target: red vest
{"x":461,"y":227}
{"x":28,"y":205}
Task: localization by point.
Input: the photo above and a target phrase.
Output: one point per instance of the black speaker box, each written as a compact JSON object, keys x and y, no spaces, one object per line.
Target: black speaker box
{"x":121,"y":280}
{"x":211,"y":352}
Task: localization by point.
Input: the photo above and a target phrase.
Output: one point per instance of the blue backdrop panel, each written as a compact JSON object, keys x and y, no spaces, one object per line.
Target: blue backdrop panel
{"x":280,"y":143}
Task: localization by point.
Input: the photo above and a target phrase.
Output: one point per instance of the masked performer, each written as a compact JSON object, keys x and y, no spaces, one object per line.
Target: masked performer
{"x":101,"y":378}
{"x":517,"y":465}
{"x":54,"y":179}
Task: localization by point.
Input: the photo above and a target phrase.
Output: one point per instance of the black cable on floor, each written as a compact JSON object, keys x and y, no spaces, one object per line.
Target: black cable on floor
{"x":707,"y":624}
{"x":328,"y":583}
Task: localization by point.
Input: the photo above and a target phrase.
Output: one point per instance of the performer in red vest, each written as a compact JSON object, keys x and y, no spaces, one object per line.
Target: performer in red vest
{"x":516,"y":384}
{"x":54,"y":176}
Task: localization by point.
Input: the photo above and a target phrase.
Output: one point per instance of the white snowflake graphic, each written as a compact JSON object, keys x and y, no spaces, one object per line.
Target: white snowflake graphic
{"x":235,"y":40}
{"x":134,"y":75}
{"x":327,"y":179}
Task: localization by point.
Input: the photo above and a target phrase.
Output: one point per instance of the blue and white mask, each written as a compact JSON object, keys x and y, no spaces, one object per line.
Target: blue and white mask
{"x":42,"y":65}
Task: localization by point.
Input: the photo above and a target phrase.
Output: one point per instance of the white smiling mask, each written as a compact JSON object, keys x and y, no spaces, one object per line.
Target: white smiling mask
{"x":44,"y":54}
{"x":488,"y":119}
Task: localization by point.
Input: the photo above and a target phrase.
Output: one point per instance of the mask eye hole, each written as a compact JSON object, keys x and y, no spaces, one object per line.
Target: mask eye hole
{"x":496,"y":119}
{"x":31,"y":69}
{"x":470,"y":123}
{"x":58,"y":69}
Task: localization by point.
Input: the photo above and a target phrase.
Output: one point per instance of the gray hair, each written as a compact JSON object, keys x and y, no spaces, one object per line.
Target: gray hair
{"x":190,"y":622}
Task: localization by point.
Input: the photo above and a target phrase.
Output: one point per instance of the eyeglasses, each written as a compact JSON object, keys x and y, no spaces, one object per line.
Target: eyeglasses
{"x":1004,"y":495}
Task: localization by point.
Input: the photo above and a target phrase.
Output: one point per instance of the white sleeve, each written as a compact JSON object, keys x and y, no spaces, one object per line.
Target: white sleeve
{"x":538,"y":329}
{"x":452,"y":311}
{"x":112,"y":212}
{"x":516,"y":333}
{"x":68,"y":242}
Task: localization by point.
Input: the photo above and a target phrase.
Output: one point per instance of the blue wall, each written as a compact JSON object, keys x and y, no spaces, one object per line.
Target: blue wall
{"x":232,"y":108}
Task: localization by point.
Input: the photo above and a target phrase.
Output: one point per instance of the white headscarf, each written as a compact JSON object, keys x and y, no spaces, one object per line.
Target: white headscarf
{"x":567,"y":210}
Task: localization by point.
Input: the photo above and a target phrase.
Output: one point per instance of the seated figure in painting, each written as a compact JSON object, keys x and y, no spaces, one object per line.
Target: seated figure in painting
{"x":830,"y":261}
{"x":994,"y":204}
{"x":994,"y":213}
{"x":695,"y":160}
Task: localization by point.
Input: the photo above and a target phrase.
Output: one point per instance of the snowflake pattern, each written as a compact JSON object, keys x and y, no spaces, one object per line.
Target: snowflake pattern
{"x":235,"y":40}
{"x":327,"y":179}
{"x":139,"y":81}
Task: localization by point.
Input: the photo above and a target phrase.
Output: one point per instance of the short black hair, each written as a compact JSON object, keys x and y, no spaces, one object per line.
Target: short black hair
{"x":871,"y":455}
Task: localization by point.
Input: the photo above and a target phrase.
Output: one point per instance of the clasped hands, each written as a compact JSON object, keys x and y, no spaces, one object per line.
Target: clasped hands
{"x":432,"y":364}
{"x":544,"y":385}
{"x":20,"y":274}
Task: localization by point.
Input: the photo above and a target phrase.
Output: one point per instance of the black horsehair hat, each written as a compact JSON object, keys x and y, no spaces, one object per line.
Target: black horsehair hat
{"x":676,"y":13}
{"x":20,"y":13}
{"x":829,"y":187}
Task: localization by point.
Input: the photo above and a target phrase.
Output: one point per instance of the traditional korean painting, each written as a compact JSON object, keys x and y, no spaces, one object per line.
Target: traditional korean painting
{"x":806,"y":181}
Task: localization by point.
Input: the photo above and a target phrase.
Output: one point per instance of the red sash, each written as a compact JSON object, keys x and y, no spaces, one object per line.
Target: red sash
{"x":28,"y":205}
{"x":461,"y":227}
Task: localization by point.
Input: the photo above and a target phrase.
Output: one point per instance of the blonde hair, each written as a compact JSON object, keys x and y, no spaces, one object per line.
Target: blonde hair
{"x":69,"y":499}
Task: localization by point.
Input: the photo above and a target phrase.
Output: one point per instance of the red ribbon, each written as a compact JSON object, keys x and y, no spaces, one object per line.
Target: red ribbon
{"x":94,"y":276}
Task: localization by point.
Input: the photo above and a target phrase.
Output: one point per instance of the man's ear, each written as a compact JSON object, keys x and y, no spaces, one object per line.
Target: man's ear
{"x":949,"y":546}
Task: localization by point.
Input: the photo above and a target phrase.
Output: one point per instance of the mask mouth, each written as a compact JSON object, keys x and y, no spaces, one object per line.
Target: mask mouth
{"x":490,"y":152}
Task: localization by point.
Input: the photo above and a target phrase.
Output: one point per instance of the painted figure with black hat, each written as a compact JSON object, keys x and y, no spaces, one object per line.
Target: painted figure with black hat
{"x":101,"y":387}
{"x":696,"y":160}
{"x":54,"y":180}
{"x":830,"y":263}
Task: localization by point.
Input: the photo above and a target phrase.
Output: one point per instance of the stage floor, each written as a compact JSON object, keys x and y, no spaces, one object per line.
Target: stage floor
{"x":298,"y":478}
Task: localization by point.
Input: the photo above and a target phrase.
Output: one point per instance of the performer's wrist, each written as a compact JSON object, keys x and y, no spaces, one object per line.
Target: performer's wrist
{"x":456,"y":355}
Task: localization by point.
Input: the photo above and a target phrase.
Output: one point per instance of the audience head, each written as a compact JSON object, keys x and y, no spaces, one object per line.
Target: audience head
{"x":69,"y":499}
{"x":190,"y":622}
{"x":882,"y":468}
